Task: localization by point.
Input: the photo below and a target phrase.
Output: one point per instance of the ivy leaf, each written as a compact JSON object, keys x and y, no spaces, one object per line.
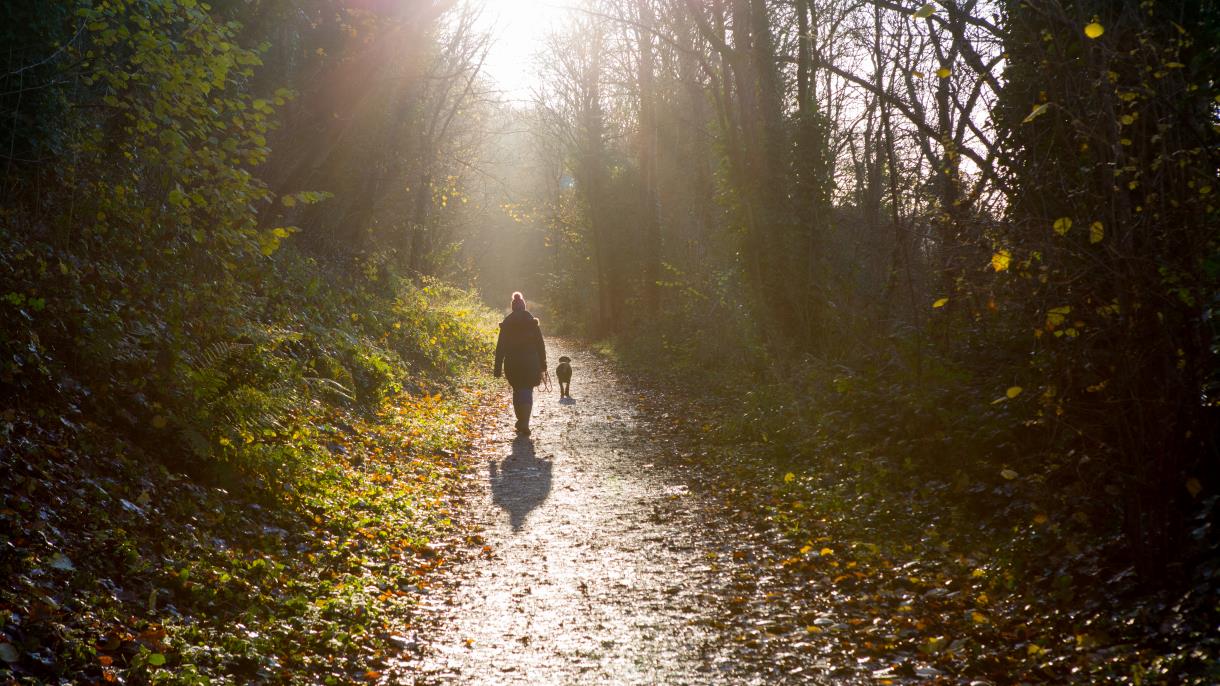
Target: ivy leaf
{"x":1096,"y":232}
{"x":156,"y":659}
{"x":926,"y":10}
{"x":1094,"y":30}
{"x":1062,"y":225}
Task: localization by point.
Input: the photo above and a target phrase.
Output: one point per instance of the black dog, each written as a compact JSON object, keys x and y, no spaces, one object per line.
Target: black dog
{"x":564,"y":373}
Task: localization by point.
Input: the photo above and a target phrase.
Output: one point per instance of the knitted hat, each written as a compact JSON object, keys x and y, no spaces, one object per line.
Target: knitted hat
{"x":518,"y":302}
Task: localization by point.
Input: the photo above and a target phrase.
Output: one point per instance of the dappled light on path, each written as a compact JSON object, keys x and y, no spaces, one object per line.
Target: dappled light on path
{"x":596,"y":567}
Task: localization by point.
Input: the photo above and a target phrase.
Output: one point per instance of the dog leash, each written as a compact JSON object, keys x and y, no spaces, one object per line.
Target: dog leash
{"x":546,"y":380}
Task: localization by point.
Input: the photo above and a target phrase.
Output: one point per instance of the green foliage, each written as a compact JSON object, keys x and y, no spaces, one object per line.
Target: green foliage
{"x":204,"y":416}
{"x":1110,"y":230}
{"x":176,"y":582}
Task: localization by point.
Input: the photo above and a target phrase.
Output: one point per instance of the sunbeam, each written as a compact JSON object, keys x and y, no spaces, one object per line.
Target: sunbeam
{"x":518,"y":29}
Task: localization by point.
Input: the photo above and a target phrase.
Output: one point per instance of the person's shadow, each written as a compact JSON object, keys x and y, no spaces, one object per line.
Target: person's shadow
{"x":567,"y":401}
{"x":520,"y":482}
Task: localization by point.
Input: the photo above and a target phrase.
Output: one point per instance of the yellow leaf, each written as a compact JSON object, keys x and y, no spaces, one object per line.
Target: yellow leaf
{"x":288,"y":201}
{"x":1096,"y":232}
{"x":1094,"y":30}
{"x":1013,"y":391}
{"x":1038,"y":111}
{"x":1001,"y":260}
{"x":978,"y":573}
{"x":978,"y":617}
{"x":940,"y":303}
{"x":280,"y":232}
{"x":789,"y":477}
{"x":1062,"y":225}
{"x":1193,"y":485}
{"x":1056,"y":316}
{"x":158,"y":422}
{"x":917,"y":74}
{"x":826,"y":551}
{"x":1008,"y":474}
{"x":1040,"y":518}
{"x":943,"y":72}
{"x":926,"y":10}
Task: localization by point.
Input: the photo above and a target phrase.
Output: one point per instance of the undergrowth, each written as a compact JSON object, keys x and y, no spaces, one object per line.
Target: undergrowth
{"x":252,"y":501}
{"x":916,"y":486}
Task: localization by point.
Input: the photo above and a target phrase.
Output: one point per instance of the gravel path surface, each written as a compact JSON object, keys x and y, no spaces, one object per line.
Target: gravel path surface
{"x":599,"y":566}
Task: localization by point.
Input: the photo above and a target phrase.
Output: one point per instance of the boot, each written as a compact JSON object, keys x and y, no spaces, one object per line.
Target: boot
{"x":523,"y":418}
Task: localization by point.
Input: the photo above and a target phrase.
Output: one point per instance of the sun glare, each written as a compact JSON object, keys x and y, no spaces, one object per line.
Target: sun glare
{"x":518,"y":29}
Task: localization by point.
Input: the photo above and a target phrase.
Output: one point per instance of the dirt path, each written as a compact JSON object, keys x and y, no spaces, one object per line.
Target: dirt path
{"x":600,"y":566}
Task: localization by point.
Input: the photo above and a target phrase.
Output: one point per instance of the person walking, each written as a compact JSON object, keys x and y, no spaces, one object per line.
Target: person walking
{"x":521,"y":355}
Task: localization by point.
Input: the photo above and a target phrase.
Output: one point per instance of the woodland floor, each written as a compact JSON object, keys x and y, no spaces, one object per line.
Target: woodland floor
{"x":597,"y":559}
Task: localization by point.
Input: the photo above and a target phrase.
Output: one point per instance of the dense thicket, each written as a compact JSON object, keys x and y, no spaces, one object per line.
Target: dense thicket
{"x":144,"y":215}
{"x":209,"y":266}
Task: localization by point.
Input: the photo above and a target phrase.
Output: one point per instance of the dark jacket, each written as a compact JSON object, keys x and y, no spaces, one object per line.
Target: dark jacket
{"x":520,"y":351}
